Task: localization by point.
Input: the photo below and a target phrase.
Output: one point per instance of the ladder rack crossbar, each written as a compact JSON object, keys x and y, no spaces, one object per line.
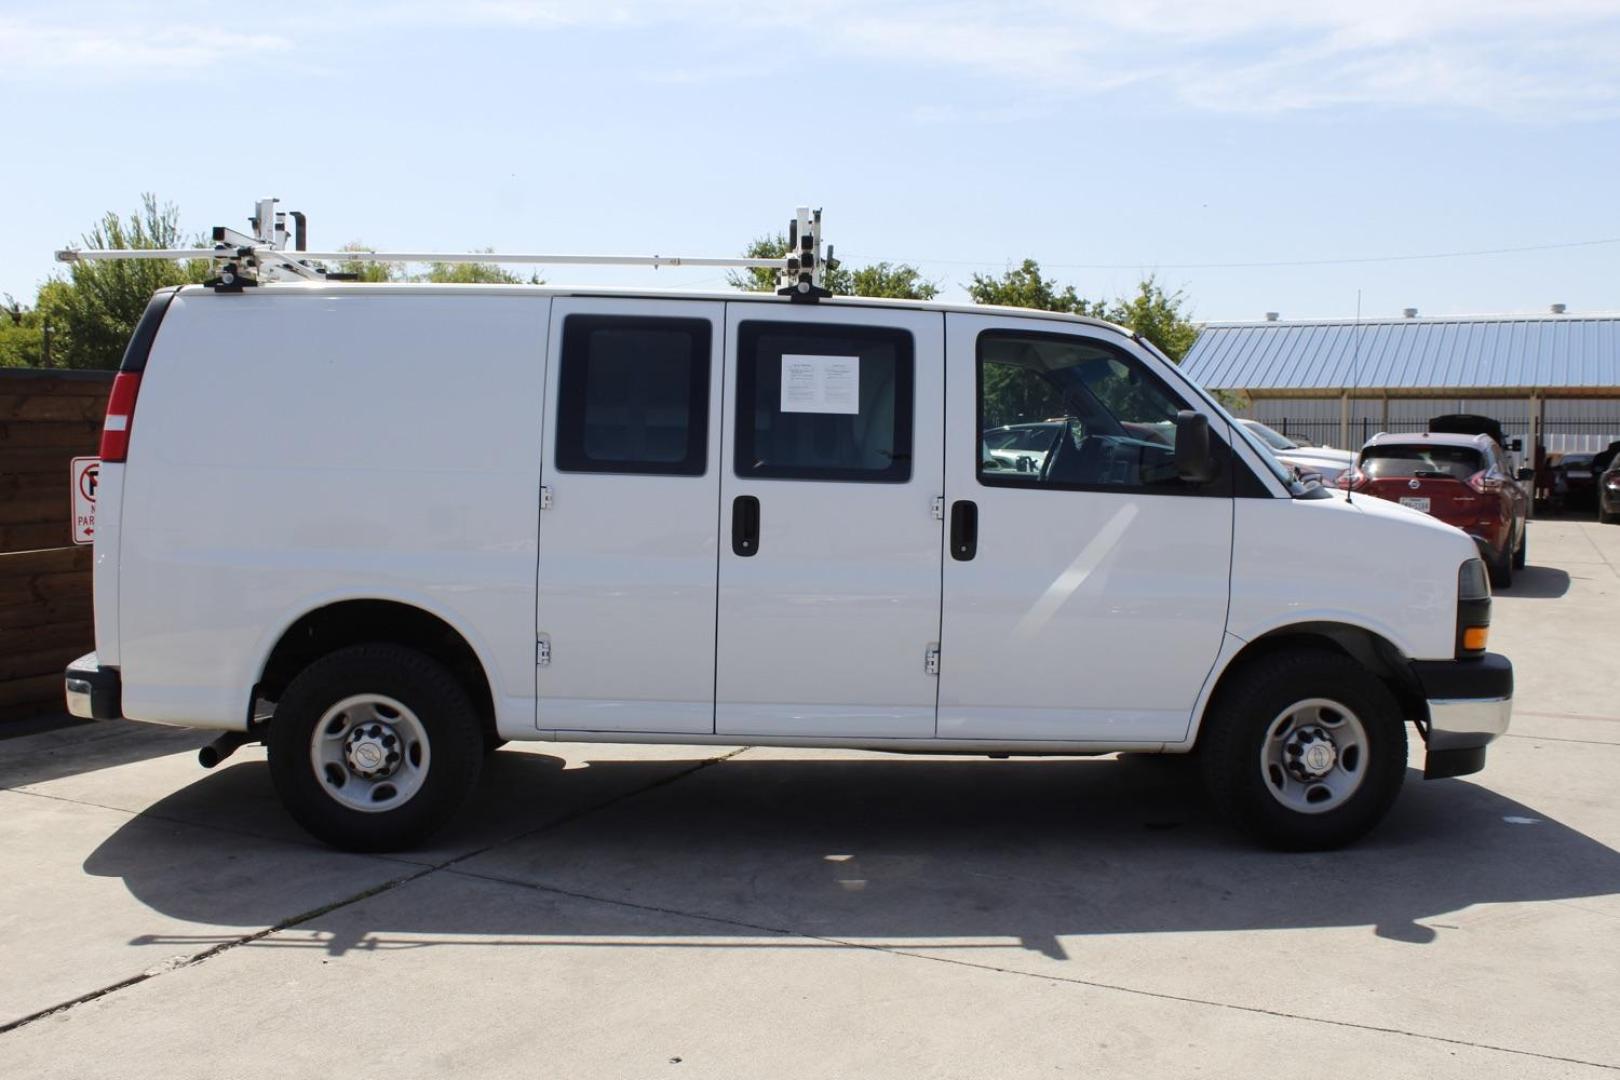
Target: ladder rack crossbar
{"x":240,"y":259}
{"x":69,"y":255}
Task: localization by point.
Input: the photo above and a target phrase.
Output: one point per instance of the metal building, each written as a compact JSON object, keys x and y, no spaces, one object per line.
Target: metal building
{"x":1553,"y":378}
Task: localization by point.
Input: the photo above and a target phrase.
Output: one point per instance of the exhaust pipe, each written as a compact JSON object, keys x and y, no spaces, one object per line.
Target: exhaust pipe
{"x":222,"y":748}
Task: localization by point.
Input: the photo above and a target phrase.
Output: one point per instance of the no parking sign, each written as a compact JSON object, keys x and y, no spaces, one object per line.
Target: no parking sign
{"x":86,"y":474}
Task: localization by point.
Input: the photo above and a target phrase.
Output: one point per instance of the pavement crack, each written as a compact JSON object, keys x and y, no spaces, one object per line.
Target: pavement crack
{"x":365,"y":894}
{"x":1556,"y":738}
{"x":1072,"y":980}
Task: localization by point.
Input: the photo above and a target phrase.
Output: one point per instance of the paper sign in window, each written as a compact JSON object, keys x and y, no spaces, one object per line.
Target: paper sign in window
{"x":821,"y":384}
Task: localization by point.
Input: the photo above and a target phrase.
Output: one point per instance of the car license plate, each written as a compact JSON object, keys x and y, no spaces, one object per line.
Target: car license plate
{"x":1419,"y":504}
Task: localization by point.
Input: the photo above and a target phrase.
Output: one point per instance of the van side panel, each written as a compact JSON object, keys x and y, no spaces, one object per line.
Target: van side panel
{"x":293,"y":448}
{"x":1365,"y":563}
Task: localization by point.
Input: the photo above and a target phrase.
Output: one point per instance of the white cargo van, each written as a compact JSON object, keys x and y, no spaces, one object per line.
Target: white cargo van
{"x":383,"y":528}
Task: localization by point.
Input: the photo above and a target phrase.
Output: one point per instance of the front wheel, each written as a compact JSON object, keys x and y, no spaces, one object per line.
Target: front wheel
{"x":1522,"y":554}
{"x":1306,"y":750}
{"x":373,"y":747}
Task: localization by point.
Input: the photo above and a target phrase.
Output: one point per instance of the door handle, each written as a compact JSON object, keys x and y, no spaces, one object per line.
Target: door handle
{"x":745,"y":525}
{"x":964,"y":530}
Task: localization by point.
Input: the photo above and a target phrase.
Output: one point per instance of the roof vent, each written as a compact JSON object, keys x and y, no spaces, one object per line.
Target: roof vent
{"x":1272,"y":316}
{"x":1557,"y":309}
{"x":1410,"y":313}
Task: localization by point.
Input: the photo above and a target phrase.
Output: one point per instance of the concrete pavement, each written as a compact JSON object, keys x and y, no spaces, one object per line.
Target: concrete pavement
{"x":613,"y":911}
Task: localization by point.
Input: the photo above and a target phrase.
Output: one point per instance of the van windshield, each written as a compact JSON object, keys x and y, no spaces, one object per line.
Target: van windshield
{"x":1398,"y":461}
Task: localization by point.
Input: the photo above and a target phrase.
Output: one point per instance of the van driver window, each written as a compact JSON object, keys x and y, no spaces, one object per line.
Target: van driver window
{"x":1060,"y":411}
{"x":823,"y":402}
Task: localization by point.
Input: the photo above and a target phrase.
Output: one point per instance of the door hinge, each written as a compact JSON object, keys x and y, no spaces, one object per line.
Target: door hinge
{"x":542,"y":652}
{"x":931,"y":660}
{"x":545,"y":497}
{"x":939,"y":508}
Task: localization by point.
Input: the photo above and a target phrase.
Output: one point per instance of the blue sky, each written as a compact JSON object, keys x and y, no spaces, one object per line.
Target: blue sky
{"x":1105,"y":139}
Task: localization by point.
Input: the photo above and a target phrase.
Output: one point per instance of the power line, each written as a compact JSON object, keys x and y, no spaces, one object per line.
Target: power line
{"x":1254,"y":265}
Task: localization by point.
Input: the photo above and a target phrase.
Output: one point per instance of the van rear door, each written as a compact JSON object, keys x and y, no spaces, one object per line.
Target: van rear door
{"x":631,"y":466}
{"x":830,"y":550}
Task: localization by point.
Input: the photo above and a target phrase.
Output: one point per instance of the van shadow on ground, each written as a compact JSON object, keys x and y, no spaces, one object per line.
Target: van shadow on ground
{"x":898,"y":849}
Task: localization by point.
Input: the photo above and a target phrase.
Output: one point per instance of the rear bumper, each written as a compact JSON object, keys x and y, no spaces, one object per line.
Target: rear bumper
{"x":93,"y":692}
{"x":1470,"y":704}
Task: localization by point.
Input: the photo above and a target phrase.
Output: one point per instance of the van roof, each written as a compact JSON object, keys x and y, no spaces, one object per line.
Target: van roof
{"x":327,"y":288}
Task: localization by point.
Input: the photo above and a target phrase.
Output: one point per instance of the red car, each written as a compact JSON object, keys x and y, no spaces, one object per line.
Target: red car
{"x":1463,"y":480}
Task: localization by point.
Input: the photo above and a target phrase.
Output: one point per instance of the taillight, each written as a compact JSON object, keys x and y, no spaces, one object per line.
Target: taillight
{"x":120,"y":416}
{"x":1484,"y":483}
{"x":1352,"y":479}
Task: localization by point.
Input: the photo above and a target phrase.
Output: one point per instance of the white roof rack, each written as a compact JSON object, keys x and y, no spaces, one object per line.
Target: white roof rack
{"x":242,"y":259}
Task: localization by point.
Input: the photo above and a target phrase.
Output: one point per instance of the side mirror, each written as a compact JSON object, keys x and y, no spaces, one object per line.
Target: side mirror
{"x":1195,"y":461}
{"x":1527,"y":474}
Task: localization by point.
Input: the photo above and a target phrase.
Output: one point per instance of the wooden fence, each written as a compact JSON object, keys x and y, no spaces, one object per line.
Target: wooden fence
{"x":47,"y":418}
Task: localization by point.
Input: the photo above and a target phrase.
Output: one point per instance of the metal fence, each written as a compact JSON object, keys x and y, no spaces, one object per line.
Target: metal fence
{"x":1557,"y":436}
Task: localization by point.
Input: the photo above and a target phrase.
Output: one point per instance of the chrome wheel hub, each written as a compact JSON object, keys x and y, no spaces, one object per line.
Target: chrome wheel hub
{"x":1309,"y":753}
{"x":370,"y":753}
{"x":1314,"y":756}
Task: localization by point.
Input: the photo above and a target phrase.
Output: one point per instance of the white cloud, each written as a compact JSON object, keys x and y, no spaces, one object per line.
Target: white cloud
{"x":111,"y":52}
{"x":1508,"y":57}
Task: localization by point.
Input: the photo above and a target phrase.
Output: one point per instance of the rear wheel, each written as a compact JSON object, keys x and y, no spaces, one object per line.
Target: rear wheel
{"x":1604,"y":516}
{"x":374,"y":747}
{"x":1306,"y":750}
{"x":1523,"y":550}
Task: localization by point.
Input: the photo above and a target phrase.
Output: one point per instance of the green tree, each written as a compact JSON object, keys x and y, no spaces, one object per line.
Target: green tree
{"x":439,"y":273}
{"x":1158,"y":316}
{"x":1026,"y":287}
{"x":93,"y":312}
{"x":365,"y":269}
{"x":899,"y":281}
{"x":895,"y":280}
{"x":21,"y":335}
{"x":460,"y":273}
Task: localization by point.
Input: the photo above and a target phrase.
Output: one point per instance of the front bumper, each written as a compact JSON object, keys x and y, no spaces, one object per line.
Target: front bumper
{"x":93,"y":692}
{"x":1470,"y":704}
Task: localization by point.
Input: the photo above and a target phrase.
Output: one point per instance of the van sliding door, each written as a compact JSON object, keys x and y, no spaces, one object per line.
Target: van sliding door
{"x":626,"y":605}
{"x":830,"y":550}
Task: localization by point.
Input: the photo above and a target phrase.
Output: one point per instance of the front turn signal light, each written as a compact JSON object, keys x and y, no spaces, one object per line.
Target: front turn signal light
{"x":1474,"y":638}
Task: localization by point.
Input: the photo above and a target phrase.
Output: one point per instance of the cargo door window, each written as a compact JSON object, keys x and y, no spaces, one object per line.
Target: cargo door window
{"x":633,"y":395}
{"x":824,"y":402}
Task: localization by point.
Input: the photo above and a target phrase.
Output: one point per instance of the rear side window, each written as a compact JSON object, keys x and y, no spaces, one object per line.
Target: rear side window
{"x":818,"y":402}
{"x":1398,"y":460}
{"x":633,"y":395}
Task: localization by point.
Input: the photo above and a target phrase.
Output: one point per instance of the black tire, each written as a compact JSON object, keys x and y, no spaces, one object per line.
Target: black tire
{"x":1522,"y":553}
{"x":1235,"y":732}
{"x":1604,"y":517}
{"x":1501,"y":569}
{"x":439,"y":703}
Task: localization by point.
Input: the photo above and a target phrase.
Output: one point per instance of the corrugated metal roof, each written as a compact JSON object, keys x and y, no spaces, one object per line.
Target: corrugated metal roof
{"x":1453,"y":353}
